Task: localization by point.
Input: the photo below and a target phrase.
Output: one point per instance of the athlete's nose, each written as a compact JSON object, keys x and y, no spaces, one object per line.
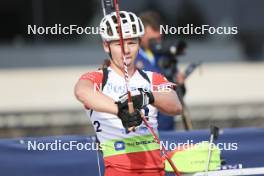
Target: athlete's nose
{"x":126,"y":48}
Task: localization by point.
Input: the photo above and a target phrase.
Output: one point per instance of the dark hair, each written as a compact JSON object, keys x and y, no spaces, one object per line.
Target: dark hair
{"x":105,"y":64}
{"x":152,"y":19}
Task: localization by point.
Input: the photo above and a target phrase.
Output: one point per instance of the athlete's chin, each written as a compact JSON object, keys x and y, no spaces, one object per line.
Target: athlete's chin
{"x":128,"y":62}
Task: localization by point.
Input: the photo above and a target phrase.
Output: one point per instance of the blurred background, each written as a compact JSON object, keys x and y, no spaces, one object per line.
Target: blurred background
{"x":38,"y":72}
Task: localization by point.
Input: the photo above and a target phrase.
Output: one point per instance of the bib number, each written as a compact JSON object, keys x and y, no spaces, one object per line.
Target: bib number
{"x":97,"y":126}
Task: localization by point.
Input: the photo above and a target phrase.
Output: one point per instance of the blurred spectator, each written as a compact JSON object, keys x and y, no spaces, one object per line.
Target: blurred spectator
{"x":149,"y":61}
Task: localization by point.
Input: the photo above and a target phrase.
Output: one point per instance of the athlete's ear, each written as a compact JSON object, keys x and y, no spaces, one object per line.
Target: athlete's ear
{"x":106,"y":47}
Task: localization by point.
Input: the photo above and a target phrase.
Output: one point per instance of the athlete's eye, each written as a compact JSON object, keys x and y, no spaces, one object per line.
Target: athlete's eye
{"x":132,"y":43}
{"x":117,"y":44}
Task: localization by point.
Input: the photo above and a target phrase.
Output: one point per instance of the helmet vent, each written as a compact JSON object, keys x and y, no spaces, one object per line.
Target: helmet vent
{"x":109,"y":29}
{"x":117,"y":30}
{"x":140,"y":27}
{"x":122,"y":15}
{"x":134,"y":28}
{"x":132,"y":17}
{"x":114,"y":19}
{"x":124,"y":21}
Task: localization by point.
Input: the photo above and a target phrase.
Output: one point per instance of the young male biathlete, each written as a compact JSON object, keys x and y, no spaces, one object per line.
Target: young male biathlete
{"x":125,"y":152}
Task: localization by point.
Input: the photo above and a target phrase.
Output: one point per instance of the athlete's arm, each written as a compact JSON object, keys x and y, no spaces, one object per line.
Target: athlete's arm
{"x":167,"y":102}
{"x":89,"y":97}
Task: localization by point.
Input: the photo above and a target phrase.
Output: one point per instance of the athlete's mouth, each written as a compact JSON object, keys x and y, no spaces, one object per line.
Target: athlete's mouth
{"x":128,"y":57}
{"x":128,"y":60}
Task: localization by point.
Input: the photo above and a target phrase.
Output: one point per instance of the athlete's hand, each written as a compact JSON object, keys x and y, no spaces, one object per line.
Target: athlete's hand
{"x":128,"y":119}
{"x":140,"y":98}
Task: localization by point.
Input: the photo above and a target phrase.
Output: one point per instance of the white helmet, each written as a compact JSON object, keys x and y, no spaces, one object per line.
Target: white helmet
{"x":132,"y":26}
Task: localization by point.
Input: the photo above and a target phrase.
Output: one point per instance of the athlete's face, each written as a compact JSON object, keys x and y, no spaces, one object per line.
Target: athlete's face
{"x":131,"y":47}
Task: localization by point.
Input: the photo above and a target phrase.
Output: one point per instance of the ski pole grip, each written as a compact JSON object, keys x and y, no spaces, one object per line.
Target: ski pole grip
{"x":130,"y":107}
{"x":131,"y":110}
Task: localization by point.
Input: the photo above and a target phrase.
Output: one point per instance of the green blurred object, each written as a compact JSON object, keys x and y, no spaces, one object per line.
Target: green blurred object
{"x":193,"y":159}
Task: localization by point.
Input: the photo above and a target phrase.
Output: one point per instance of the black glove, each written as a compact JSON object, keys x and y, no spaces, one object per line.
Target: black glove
{"x":128,"y":120}
{"x":140,"y":98}
{"x":143,"y":99}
